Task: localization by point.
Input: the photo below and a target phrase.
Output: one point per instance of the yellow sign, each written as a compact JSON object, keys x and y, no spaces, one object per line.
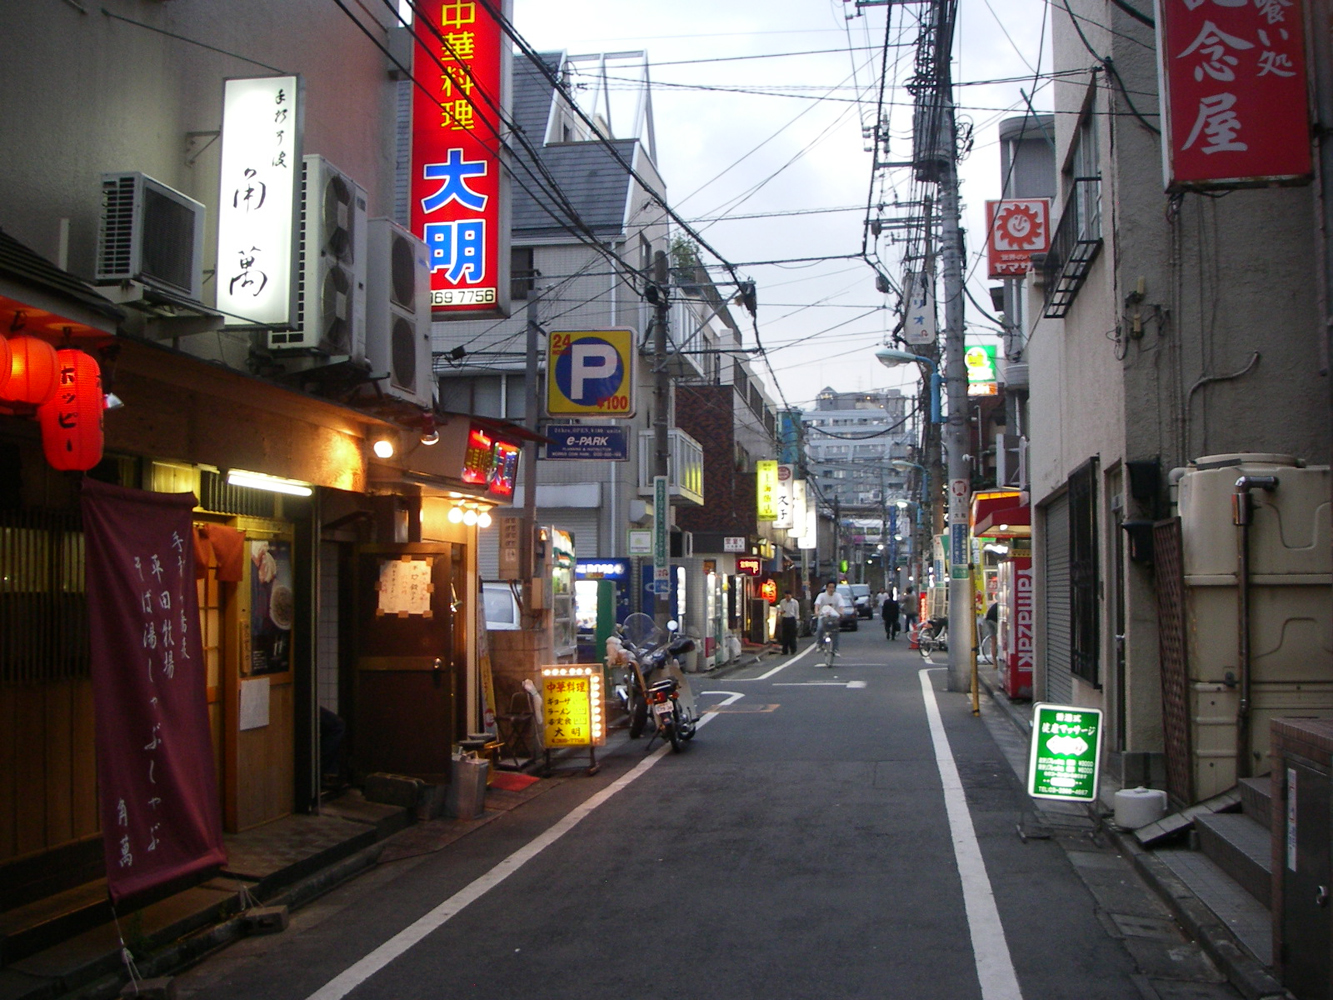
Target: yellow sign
{"x":766,"y":476}
{"x":590,"y":373}
{"x":572,"y":706}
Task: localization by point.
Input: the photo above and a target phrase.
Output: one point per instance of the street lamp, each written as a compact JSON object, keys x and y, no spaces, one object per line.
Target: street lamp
{"x":891,"y":357}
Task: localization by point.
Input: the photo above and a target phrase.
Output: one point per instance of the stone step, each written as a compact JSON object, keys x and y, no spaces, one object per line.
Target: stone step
{"x":1241,"y":848}
{"x":26,"y":930}
{"x":1256,"y":800}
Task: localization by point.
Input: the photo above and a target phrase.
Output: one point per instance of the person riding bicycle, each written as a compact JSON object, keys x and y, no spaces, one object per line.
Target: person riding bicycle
{"x":829,"y":607}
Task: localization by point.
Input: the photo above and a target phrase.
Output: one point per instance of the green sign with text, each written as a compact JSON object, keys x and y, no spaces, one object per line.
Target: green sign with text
{"x":1066,"y":755}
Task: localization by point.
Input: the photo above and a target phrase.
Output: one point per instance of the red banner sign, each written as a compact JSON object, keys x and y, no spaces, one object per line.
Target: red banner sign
{"x":1016,"y":229}
{"x":456,"y":183}
{"x":156,"y":786}
{"x":1233,"y":92}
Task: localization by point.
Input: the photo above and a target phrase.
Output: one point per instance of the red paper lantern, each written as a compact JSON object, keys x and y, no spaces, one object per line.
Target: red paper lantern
{"x":32,"y":371}
{"x":5,"y":360}
{"x":72,"y":419}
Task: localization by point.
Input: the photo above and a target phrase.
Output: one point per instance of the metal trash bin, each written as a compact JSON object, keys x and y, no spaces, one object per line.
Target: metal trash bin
{"x":467,"y":786}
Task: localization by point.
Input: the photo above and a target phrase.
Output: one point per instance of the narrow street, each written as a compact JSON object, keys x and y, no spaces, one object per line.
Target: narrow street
{"x":799,"y":847}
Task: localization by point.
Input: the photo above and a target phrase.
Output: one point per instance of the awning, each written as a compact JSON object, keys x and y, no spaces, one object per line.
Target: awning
{"x":38,"y":298}
{"x":1006,"y":522}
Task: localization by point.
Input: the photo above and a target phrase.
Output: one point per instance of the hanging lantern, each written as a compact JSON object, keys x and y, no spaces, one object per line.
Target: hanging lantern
{"x":72,"y":419}
{"x":32,"y":371}
{"x":5,"y":360}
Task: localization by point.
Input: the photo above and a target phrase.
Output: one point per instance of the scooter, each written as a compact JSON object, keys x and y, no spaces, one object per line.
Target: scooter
{"x":654,"y":686}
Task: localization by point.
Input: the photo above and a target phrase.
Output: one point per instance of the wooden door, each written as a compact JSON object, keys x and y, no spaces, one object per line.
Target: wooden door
{"x":410,"y":658}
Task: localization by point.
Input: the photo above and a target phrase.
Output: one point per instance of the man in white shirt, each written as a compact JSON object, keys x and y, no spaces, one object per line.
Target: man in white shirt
{"x":789,"y":610}
{"x":829,"y":607}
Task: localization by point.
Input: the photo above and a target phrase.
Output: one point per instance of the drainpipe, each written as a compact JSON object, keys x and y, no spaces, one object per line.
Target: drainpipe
{"x":1242,"y":515}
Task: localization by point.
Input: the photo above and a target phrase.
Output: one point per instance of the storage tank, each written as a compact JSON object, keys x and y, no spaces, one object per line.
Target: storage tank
{"x":1291,"y":638}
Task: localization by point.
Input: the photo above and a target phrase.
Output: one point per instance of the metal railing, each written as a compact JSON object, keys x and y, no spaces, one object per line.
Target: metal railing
{"x":1074,"y":247}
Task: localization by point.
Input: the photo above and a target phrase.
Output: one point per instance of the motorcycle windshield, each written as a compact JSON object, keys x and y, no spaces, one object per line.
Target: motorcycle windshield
{"x":641,"y":631}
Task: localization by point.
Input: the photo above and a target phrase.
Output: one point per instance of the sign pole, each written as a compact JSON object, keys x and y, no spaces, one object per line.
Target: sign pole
{"x":661,"y":439}
{"x":530,"y":410}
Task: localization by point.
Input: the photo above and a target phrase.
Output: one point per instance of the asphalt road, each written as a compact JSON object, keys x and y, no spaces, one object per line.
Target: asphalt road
{"x":801,"y":847}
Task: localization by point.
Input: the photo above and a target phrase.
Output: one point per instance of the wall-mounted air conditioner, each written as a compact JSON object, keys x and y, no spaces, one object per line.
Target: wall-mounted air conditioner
{"x":151,"y":234}
{"x":398,"y":312}
{"x":331,"y":294}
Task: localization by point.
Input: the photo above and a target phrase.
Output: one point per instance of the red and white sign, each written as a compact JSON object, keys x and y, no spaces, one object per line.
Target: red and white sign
{"x":1016,"y":229}
{"x":1234,"y":103}
{"x":456,"y":186}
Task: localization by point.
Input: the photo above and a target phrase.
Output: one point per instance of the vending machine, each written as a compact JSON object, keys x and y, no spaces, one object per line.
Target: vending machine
{"x":601,"y":601}
{"x":1014,"y":638}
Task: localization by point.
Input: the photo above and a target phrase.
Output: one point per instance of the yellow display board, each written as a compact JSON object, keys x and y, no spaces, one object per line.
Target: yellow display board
{"x":572,"y":709}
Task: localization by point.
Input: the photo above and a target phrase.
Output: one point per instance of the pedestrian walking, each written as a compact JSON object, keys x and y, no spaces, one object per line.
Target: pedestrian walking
{"x":908,"y":611}
{"x":889,"y":612}
{"x":789,"y":611}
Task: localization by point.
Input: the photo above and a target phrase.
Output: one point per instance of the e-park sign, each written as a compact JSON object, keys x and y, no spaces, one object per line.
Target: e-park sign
{"x":1234,"y":99}
{"x":590,"y":373}
{"x":461,"y":58}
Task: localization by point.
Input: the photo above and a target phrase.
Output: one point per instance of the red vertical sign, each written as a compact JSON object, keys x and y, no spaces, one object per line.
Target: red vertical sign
{"x":156,"y":786}
{"x":1234,"y":98}
{"x":456,"y":185}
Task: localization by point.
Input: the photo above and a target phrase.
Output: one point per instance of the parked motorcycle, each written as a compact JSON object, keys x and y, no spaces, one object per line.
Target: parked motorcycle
{"x":654,"y":689}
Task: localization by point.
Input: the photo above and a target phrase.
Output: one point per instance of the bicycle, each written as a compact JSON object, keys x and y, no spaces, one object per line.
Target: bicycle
{"x":825,"y":636}
{"x":933,"y":636}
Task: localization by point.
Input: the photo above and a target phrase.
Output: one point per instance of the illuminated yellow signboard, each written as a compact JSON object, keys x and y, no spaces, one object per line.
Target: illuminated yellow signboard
{"x":572,"y":706}
{"x":766,"y":491}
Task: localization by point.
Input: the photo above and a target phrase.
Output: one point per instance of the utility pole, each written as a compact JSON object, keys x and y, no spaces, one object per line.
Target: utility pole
{"x":661,"y":407}
{"x":528,"y":540}
{"x":961,"y":614}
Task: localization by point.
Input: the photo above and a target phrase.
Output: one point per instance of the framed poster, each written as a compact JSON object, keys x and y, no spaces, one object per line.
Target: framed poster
{"x":272,"y":606}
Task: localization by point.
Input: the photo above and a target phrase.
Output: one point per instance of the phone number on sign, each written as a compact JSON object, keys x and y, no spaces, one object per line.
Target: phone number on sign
{"x":462,"y":296}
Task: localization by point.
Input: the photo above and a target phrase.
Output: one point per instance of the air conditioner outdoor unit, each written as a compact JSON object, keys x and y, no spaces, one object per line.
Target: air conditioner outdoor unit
{"x":331,"y":293}
{"x":398,"y":312}
{"x":151,"y":234}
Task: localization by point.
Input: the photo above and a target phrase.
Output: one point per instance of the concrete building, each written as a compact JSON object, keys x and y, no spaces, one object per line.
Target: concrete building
{"x":1160,"y":329}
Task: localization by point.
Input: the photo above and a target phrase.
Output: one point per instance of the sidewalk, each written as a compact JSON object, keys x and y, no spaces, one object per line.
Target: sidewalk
{"x":289,"y":862}
{"x":1201,"y":914}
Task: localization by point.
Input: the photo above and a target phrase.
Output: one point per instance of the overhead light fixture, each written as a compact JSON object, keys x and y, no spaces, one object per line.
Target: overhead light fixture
{"x":274,"y":484}
{"x":483,"y":520}
{"x":455,"y":515}
{"x":383,"y":448}
{"x":469,"y":517}
{"x":429,"y":433}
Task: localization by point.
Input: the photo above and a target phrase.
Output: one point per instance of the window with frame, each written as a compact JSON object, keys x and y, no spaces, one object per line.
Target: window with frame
{"x":1084,"y":599}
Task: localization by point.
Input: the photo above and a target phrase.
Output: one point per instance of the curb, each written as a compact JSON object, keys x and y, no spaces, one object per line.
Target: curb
{"x":1243,"y":971}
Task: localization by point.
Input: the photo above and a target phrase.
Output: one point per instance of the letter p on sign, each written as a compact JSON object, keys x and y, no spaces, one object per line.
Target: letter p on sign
{"x":591,"y":373}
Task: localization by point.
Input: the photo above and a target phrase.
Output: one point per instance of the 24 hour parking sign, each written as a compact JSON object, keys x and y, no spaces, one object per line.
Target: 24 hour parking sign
{"x":590,"y":373}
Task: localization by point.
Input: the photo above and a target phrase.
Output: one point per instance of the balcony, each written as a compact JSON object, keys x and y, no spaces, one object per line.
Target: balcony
{"x":685,"y":467}
{"x":1077,"y":240}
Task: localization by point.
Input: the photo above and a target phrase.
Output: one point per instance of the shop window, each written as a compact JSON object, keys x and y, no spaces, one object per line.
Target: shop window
{"x":43,"y":605}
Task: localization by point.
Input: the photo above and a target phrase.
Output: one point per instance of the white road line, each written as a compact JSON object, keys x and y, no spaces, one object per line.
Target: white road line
{"x":819,"y":684}
{"x":732,"y":696}
{"x":784,"y":666}
{"x":995,"y":966}
{"x":397,"y":945}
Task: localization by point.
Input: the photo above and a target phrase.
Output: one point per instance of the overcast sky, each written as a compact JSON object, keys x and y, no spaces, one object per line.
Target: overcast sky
{"x":784,"y":132}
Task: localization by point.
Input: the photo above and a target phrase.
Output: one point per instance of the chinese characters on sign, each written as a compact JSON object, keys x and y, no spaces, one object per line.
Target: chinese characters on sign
{"x":1233,"y":92}
{"x":257,"y":206}
{"x":1066,"y":755}
{"x":404,"y":587}
{"x":784,"y":497}
{"x":572,"y":707}
{"x":456,"y":181}
{"x":1015,"y":231}
{"x":156,"y":784}
{"x":766,"y":490}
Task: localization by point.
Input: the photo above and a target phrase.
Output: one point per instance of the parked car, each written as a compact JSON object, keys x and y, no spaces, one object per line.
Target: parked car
{"x":865,"y":603}
{"x":850,"y":621}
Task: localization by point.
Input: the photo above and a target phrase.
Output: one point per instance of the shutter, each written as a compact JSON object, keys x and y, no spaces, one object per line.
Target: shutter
{"x":1059,"y":681}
